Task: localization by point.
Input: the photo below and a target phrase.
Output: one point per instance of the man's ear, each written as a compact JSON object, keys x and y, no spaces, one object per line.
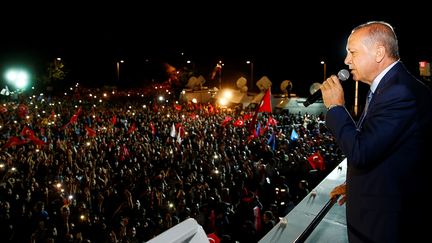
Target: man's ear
{"x":380,"y":53}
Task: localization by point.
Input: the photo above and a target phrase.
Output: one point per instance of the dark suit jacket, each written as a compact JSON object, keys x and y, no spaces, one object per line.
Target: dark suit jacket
{"x":389,"y":157}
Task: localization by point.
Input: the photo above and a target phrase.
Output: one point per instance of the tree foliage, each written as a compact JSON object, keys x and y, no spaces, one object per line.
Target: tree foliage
{"x":55,"y":72}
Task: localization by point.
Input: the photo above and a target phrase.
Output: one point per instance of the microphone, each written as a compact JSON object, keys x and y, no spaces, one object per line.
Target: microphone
{"x":342,"y":76}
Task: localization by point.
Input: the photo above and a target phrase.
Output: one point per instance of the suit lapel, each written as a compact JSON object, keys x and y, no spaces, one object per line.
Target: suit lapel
{"x":381,"y":86}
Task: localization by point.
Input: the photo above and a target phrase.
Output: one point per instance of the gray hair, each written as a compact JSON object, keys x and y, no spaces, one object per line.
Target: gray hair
{"x":383,"y":33}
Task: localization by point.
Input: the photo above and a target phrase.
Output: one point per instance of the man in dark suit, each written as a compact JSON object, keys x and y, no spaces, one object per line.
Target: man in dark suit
{"x":387,"y":149}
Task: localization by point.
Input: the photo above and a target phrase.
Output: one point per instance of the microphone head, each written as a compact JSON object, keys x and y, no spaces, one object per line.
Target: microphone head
{"x":343,"y":74}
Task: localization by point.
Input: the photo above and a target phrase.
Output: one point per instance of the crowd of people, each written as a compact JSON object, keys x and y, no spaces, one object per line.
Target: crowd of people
{"x":120,"y":167}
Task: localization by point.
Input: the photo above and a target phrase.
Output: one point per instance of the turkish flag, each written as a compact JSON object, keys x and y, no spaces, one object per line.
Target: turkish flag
{"x":153,"y":129}
{"x":316,"y":161}
{"x":90,"y":132}
{"x":265,"y":104}
{"x":14,"y":141}
{"x":74,"y":118}
{"x":132,"y":128}
{"x":226,"y":121}
{"x":239,"y":123}
{"x":213,"y":238}
{"x":27,"y":132}
{"x":22,"y":110}
{"x":113,"y":119}
{"x":271,"y":121}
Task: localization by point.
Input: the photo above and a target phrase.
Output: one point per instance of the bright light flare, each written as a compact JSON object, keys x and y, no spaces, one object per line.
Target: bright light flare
{"x":18,"y":78}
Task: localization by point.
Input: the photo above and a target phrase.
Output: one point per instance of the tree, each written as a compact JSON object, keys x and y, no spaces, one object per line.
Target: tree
{"x":55,"y":72}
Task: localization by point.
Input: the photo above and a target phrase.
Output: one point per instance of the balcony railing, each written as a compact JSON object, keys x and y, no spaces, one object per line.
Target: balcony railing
{"x":314,"y":219}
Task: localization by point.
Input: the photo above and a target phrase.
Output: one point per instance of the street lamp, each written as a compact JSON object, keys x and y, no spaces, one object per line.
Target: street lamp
{"x":192,"y":65}
{"x":118,"y":69}
{"x":325,"y":67}
{"x":251,"y":74}
{"x":219,"y":66}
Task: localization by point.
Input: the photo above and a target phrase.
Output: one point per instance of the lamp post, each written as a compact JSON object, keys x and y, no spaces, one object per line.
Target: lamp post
{"x":219,"y":66}
{"x":191,"y":65}
{"x":118,"y":69}
{"x":251,"y":74}
{"x":325,"y":67}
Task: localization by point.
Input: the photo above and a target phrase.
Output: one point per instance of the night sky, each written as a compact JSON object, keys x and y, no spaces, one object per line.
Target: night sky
{"x":284,"y":43}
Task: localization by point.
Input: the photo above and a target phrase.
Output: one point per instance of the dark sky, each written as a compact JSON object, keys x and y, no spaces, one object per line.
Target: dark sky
{"x":284,"y":42}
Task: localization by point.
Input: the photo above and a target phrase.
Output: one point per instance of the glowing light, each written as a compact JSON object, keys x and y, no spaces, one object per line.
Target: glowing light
{"x":223,"y":101}
{"x":17,"y":77}
{"x":227,"y":94}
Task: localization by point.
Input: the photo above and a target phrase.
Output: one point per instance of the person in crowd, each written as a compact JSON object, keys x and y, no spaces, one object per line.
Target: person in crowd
{"x":82,"y":168}
{"x":269,"y":222}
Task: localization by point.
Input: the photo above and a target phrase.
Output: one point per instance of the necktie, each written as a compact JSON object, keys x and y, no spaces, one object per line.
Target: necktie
{"x":368,"y":99}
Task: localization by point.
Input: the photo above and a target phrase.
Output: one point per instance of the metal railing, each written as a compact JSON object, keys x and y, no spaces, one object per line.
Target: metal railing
{"x":310,"y":228}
